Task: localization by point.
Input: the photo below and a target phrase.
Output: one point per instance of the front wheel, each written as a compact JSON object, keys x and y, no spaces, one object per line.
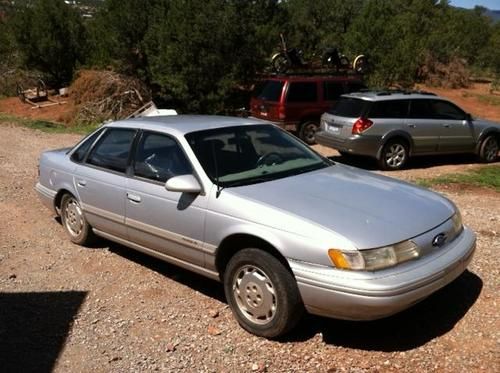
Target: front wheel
{"x":262,"y":293}
{"x":394,"y":155}
{"x":73,"y":220}
{"x":488,"y":151}
{"x":307,"y":132}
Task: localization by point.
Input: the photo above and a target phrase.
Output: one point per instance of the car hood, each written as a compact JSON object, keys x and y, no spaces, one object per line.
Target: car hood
{"x":370,"y":210}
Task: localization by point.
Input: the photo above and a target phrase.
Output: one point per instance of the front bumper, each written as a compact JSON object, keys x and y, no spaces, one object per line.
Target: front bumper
{"x":355,"y":144}
{"x":373,"y":295}
{"x":46,"y":195}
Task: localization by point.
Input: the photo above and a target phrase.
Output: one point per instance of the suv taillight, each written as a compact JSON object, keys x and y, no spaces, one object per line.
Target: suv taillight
{"x":281,"y":112}
{"x":361,"y":125}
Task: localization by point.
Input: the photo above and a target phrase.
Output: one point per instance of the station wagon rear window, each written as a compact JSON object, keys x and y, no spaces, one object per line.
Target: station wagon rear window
{"x":349,"y":107}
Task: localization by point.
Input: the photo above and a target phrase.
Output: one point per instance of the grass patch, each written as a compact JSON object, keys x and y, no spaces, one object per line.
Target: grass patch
{"x":46,"y":126}
{"x":488,"y":177}
{"x":484,"y":98}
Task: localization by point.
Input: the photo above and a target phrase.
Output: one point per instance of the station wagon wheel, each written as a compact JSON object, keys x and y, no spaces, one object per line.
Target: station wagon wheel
{"x":262,"y":293}
{"x":308,"y":131}
{"x":489,"y":149}
{"x":394,"y":155}
{"x":73,"y":220}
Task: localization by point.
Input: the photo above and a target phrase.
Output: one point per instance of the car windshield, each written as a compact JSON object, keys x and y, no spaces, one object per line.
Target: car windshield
{"x":243,"y":155}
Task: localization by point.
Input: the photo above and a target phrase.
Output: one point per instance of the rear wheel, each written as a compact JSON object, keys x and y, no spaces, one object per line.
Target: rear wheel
{"x":308,"y":131}
{"x":488,"y":151}
{"x":394,"y":155}
{"x":73,"y":220}
{"x":262,"y":293}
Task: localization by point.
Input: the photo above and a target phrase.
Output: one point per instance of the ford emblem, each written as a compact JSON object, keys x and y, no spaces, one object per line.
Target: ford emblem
{"x":439,"y":240}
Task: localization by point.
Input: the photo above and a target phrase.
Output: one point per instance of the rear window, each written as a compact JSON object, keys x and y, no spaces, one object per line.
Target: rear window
{"x":269,"y":90}
{"x":349,"y":107}
{"x":302,"y":92}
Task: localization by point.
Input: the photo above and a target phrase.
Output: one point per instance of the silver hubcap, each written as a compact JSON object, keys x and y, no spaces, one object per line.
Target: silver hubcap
{"x":491,"y":149}
{"x":310,"y":132}
{"x":73,"y":217}
{"x":395,"y":155}
{"x":255,"y":294}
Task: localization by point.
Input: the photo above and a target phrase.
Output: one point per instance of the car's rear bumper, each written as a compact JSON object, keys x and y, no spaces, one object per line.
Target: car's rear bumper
{"x":287,"y":125}
{"x":355,"y":144}
{"x":324,"y":291}
{"x":46,"y":195}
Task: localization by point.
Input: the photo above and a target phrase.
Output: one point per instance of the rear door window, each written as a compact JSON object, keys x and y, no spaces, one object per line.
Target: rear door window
{"x":421,"y":109}
{"x":349,"y":107}
{"x":332,"y":90}
{"x":112,"y":150}
{"x":302,"y":92}
{"x":269,"y":90}
{"x":389,"y":109}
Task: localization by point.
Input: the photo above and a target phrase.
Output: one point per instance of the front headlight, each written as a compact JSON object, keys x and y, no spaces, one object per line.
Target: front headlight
{"x":374,"y":259}
{"x":457,"y":223}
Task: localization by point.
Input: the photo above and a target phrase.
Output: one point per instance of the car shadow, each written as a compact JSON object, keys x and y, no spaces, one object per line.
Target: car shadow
{"x":204,"y":285}
{"x":422,"y":162}
{"x":414,"y":327}
{"x":406,"y":330}
{"x":34,"y":327}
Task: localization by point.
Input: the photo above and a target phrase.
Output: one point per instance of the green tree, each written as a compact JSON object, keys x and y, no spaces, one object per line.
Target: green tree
{"x":51,"y":38}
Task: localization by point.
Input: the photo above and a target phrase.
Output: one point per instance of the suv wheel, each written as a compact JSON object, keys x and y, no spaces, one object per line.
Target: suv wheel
{"x":394,"y":155}
{"x":308,"y":131}
{"x":262,"y":293}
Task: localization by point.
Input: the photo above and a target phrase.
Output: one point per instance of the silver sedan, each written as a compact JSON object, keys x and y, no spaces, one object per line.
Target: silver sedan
{"x":245,"y":203}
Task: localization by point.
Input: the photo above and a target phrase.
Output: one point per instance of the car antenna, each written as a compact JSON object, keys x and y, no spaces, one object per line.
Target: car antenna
{"x":216,"y":169}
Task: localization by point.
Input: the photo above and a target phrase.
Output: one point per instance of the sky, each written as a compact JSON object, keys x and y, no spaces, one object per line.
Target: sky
{"x":490,"y":4}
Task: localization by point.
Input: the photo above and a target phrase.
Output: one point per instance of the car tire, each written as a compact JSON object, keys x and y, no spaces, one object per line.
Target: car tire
{"x":262,"y":293}
{"x":394,"y":155}
{"x":307,"y":132}
{"x":74,"y":222}
{"x":488,"y":151}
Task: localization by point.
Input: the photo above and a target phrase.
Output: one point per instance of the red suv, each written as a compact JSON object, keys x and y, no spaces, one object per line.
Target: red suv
{"x":297,"y":102}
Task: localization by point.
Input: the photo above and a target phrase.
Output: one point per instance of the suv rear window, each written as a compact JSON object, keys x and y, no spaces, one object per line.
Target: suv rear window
{"x":302,"y":92}
{"x":269,"y":90}
{"x":349,"y":107}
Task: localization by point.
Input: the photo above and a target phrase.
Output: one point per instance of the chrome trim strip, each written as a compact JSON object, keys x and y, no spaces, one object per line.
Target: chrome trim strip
{"x":171,"y":236}
{"x":181,"y":263}
{"x":45,"y":191}
{"x":103,"y":213}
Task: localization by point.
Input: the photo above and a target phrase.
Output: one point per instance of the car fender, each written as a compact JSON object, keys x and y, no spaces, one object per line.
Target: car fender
{"x":391,"y":135}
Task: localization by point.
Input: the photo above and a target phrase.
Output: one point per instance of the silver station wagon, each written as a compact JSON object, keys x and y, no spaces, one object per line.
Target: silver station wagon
{"x":245,"y":203}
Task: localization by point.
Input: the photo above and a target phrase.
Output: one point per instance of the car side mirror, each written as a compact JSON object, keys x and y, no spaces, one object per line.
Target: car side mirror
{"x":183,"y":184}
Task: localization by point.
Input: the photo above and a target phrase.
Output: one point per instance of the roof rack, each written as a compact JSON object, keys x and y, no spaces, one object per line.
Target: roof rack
{"x":389,"y":92}
{"x":313,"y":73}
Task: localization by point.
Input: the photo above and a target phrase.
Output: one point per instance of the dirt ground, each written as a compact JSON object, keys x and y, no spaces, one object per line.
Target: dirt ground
{"x":66,"y":308}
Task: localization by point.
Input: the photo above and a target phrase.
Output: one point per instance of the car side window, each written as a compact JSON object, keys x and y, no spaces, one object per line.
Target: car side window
{"x":84,"y":146}
{"x":112,"y":150}
{"x":396,"y":109}
{"x":332,"y":90}
{"x":421,"y":109}
{"x":302,"y":92}
{"x":446,"y":110}
{"x":159,"y":157}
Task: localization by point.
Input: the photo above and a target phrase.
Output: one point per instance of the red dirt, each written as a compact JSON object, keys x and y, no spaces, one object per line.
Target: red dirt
{"x":57,"y":113}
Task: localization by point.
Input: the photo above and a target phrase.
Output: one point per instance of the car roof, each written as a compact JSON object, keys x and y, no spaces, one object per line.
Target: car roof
{"x":183,"y":124}
{"x":393,"y":95}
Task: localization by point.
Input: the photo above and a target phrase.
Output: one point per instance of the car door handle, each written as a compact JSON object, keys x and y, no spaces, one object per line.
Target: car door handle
{"x":134,"y":198}
{"x":81,"y":183}
{"x":411,"y":125}
{"x":446,"y":125}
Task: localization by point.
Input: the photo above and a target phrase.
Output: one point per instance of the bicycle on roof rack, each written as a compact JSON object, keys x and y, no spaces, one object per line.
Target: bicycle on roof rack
{"x":330,"y":58}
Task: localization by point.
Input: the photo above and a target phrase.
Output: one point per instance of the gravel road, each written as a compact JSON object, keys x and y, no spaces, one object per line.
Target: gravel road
{"x":65,"y":308}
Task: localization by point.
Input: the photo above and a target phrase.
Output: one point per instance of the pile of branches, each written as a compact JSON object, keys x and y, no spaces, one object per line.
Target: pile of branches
{"x":452,"y":74}
{"x":104,"y":95}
